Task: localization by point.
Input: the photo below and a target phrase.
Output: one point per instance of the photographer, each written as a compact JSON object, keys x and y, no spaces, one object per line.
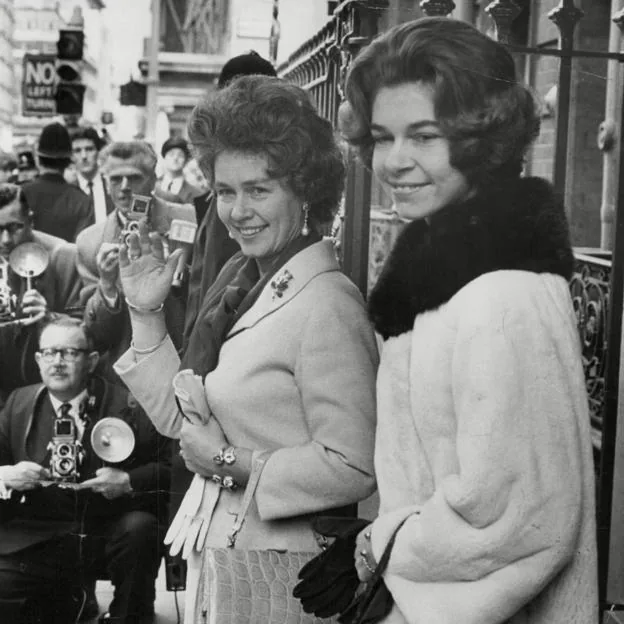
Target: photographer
{"x":53,"y":538}
{"x":55,"y":290}
{"x":129,"y":169}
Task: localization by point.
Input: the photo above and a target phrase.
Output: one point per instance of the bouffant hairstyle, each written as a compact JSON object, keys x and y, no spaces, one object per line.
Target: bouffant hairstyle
{"x":9,"y":193}
{"x":489,"y":118}
{"x":266,"y":116}
{"x":140,"y":152}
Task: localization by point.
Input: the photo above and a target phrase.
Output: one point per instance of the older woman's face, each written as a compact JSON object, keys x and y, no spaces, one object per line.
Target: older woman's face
{"x":262,"y":214}
{"x":411,"y":156}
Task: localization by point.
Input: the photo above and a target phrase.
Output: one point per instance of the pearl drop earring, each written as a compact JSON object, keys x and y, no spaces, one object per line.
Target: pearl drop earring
{"x":305,"y":230}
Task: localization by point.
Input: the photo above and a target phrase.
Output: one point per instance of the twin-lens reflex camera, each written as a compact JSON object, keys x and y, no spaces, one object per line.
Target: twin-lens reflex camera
{"x":139,"y":211}
{"x":66,"y":451}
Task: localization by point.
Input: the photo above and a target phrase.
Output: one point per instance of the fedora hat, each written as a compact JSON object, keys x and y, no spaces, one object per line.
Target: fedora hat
{"x":54,"y":142}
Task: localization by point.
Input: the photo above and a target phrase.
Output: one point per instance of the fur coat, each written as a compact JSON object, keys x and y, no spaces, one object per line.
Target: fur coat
{"x":483,"y":438}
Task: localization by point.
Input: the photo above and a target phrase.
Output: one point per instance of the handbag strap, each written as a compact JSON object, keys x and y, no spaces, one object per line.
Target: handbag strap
{"x":385,"y":557}
{"x":256,"y":470}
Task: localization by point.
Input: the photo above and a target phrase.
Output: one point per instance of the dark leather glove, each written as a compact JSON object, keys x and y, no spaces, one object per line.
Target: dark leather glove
{"x":329,"y":581}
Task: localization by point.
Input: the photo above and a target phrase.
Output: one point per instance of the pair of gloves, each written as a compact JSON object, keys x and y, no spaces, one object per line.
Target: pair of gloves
{"x":329,"y":582}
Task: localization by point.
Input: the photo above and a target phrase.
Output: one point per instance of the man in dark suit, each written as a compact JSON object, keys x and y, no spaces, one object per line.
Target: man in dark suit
{"x":129,"y":169}
{"x":57,"y":289}
{"x":54,"y":533}
{"x":58,"y":208}
{"x":86,"y":145}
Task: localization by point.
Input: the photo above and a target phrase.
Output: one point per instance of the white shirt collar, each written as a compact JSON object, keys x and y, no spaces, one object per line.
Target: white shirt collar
{"x":75,"y":403}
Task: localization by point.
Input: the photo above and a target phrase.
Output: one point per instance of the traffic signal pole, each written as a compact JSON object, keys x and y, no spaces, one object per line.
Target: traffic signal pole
{"x":152,"y":75}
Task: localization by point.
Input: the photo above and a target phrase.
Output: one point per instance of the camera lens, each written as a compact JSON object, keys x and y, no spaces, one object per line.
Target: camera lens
{"x":63,"y":450}
{"x":64,"y":466}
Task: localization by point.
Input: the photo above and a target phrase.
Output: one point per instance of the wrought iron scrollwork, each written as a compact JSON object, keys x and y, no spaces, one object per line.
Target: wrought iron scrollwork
{"x":589,"y":288}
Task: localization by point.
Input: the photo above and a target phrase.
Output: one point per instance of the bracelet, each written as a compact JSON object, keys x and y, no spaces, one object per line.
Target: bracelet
{"x":149,"y":349}
{"x":144,"y":310}
{"x":363,"y":555}
{"x":226,"y":455}
{"x":227,"y":482}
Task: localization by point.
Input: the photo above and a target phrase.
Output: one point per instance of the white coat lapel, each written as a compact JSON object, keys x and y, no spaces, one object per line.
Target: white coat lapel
{"x":290,"y":280}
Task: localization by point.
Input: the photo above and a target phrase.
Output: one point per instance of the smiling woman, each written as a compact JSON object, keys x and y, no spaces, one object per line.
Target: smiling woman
{"x":483,"y":454}
{"x":283,"y":354}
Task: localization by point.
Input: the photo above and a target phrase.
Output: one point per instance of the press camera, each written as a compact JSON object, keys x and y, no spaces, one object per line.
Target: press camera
{"x":66,"y":451}
{"x":139,"y":211}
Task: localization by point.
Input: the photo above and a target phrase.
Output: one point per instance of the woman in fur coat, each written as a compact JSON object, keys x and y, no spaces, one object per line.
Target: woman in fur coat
{"x":483,"y":454}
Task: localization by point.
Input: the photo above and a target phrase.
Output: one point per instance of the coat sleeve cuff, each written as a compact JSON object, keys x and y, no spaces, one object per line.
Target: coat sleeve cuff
{"x":150,"y":381}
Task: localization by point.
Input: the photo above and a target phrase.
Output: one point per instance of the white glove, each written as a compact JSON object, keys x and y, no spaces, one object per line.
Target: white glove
{"x":191,"y":523}
{"x":191,"y":394}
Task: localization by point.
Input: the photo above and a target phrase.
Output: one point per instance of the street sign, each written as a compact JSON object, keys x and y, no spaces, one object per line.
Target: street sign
{"x":39,"y":85}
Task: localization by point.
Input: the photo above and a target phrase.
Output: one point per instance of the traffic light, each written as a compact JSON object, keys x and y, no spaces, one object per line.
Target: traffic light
{"x":69,"y":90}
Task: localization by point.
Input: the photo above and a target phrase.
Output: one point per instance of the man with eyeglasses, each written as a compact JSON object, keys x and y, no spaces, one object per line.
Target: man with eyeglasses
{"x":54,"y":536}
{"x":57,"y":289}
{"x":129,"y":169}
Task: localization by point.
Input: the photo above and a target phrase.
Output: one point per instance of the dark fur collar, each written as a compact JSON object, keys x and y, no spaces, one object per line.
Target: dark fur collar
{"x":519,"y":226}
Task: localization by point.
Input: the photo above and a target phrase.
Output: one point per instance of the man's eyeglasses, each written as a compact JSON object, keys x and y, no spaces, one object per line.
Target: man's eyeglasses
{"x":12,"y":228}
{"x":69,"y":354}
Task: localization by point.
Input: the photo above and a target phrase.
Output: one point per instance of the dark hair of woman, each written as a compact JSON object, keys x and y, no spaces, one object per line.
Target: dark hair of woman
{"x":267,"y":116}
{"x":488,"y":117}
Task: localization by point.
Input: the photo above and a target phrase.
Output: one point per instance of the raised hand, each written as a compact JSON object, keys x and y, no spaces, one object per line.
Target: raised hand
{"x":107,"y":261}
{"x":34,"y":307}
{"x":145,"y":273}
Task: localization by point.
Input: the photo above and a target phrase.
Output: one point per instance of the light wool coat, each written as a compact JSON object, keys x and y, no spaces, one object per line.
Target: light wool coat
{"x":483,"y":446}
{"x":296,"y":376}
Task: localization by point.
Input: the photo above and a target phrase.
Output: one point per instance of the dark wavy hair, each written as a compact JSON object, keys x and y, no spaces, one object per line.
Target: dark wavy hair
{"x":266,"y":116}
{"x":87,"y":133}
{"x":489,"y":118}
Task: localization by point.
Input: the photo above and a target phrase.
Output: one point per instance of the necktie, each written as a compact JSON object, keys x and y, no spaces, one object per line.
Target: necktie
{"x":170,"y":186}
{"x":90,"y":185}
{"x":65,"y":409}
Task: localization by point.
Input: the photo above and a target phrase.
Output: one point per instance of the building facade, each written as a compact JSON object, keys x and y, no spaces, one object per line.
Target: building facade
{"x":37,"y":25}
{"x":7,"y":77}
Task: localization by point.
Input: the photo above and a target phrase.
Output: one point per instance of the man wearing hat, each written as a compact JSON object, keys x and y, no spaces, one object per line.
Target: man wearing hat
{"x":86,"y":145}
{"x":57,"y":208}
{"x":175,"y":152}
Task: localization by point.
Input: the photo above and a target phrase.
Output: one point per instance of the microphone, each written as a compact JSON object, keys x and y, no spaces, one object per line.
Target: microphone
{"x":182,"y":233}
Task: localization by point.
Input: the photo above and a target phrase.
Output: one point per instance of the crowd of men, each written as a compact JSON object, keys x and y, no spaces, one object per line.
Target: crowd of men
{"x":72,"y":514}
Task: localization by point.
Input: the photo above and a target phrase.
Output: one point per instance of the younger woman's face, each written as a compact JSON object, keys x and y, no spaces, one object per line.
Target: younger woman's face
{"x":411,"y":156}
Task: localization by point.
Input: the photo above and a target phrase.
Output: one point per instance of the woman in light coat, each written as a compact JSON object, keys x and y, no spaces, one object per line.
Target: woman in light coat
{"x":283,"y":351}
{"x":483,"y":455}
